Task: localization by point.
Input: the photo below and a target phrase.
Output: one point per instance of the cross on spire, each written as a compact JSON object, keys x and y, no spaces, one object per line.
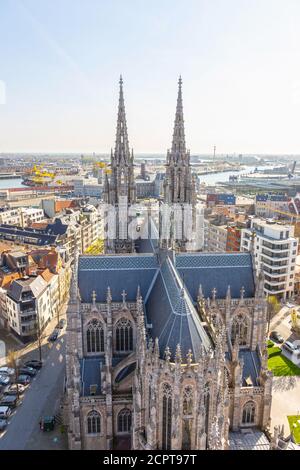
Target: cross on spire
{"x":94,"y":296}
{"x":124,"y":297}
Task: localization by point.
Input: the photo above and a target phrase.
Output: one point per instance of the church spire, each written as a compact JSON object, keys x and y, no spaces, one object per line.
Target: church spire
{"x":179,"y":186}
{"x":122,"y":152}
{"x":178,"y":143}
{"x":120,"y":189}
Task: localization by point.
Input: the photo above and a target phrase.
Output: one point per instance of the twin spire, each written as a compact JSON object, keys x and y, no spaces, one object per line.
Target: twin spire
{"x":121,"y":153}
{"x":178,"y":143}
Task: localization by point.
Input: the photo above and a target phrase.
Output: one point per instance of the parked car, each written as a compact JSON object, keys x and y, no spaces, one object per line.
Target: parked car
{"x":276,"y":337}
{"x":4,"y":379}
{"x":9,"y":400}
{"x":35,"y":364}
{"x":54,"y":335}
{"x":23,"y":379}
{"x":27,"y":371}
{"x":3,"y":424}
{"x":5,"y":412}
{"x":6,"y":370}
{"x":14,"y":389}
{"x":289,"y":346}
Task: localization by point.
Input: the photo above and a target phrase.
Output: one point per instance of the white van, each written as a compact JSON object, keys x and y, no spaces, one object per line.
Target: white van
{"x":5,"y":412}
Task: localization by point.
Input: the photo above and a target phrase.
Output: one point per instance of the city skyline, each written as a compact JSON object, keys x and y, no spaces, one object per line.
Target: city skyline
{"x":61,"y":64}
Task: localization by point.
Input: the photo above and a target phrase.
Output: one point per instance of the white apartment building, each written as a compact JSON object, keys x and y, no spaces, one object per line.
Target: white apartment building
{"x":215,"y":237}
{"x":275,"y":250}
{"x":22,"y":216}
{"x":31,"y":215}
{"x":271,"y":205}
{"x":28,"y":306}
{"x":10,"y":217}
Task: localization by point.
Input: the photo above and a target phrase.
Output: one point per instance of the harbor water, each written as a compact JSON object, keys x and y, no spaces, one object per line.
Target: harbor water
{"x":210,"y":179}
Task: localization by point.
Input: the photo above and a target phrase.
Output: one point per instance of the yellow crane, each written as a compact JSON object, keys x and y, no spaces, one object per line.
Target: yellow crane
{"x":289,"y":214}
{"x":101,"y":164}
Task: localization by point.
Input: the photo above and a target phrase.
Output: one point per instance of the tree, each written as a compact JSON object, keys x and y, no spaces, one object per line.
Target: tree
{"x":12,"y":361}
{"x":273,"y":307}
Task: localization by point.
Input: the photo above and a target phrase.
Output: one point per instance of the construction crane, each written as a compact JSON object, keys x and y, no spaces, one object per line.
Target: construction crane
{"x":289,"y":214}
{"x":101,"y":164}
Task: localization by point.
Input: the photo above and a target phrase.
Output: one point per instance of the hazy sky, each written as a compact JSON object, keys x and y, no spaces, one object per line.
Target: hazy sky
{"x":60,"y":62}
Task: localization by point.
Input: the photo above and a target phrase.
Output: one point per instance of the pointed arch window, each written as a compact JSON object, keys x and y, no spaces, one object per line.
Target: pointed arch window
{"x":239,"y":330}
{"x":187,"y":422}
{"x":124,"y":335}
{"x":187,"y":405}
{"x":248,"y":413}
{"x":166,"y":416}
{"x":95,"y":336}
{"x":124,"y":421}
{"x":94,"y":422}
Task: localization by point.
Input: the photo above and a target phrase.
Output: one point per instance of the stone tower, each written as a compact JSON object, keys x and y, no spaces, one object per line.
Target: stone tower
{"x":179,"y":187}
{"x":119,"y":186}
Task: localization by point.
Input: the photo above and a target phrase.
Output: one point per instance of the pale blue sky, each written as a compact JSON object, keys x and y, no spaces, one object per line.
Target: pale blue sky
{"x":60,"y":61}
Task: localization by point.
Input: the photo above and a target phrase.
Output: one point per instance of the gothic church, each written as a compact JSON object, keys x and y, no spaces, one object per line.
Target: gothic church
{"x":166,"y":347}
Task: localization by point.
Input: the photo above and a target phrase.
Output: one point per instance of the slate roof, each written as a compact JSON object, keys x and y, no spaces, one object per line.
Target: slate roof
{"x":251,"y":366}
{"x":169,"y":287}
{"x":216,"y":270}
{"x":27,"y":235}
{"x":170,"y":311}
{"x":117,"y":272}
{"x":90,"y":372}
{"x":36,"y":285}
{"x":125,"y":372}
{"x":57,"y":227}
{"x":150,"y":243}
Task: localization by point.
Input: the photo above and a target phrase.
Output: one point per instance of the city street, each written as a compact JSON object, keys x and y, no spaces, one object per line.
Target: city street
{"x":42,"y":398}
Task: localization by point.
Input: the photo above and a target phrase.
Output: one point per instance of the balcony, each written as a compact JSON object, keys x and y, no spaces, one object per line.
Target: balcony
{"x":274,"y":247}
{"x":273,"y":263}
{"x":276,"y":289}
{"x":31,"y":320}
{"x":274,"y":272}
{"x":279,"y":255}
{"x":275,"y":282}
{"x":29,"y":311}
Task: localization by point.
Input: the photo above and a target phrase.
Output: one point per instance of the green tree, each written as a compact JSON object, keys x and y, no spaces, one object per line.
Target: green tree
{"x":273,"y":307}
{"x":12,"y":361}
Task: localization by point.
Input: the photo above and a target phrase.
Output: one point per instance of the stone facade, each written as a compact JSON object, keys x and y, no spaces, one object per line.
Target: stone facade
{"x":172,"y":402}
{"x":165,"y":349}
